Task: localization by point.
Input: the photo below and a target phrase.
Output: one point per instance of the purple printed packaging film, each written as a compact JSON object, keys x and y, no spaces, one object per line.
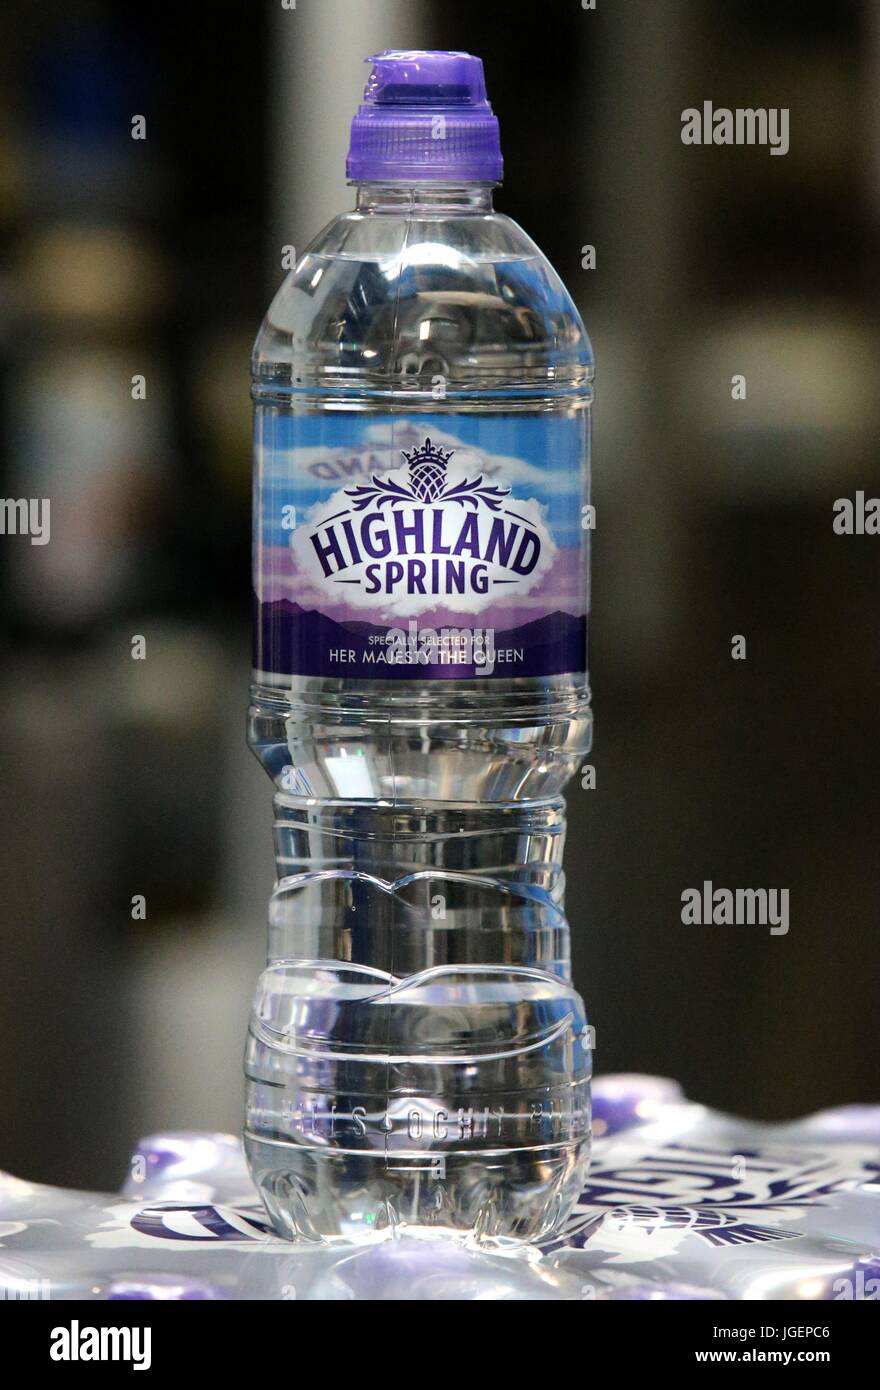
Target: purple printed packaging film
{"x":681,"y":1203}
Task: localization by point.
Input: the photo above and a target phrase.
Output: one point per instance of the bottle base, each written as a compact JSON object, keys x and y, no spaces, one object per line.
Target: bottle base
{"x":484,"y":1197}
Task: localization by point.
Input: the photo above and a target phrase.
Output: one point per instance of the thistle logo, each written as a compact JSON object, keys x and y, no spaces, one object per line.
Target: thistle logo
{"x":427,"y":483}
{"x":427,"y":471}
{"x":425,"y":536}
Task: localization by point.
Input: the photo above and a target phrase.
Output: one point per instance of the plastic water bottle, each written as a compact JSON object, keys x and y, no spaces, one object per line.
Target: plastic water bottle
{"x":418,"y":1057}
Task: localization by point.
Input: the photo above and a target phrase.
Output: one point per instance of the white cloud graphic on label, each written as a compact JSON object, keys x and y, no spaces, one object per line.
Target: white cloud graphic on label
{"x":424,"y":535}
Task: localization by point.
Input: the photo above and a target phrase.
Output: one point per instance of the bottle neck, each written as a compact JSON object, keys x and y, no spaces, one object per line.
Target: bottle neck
{"x":460,"y":198}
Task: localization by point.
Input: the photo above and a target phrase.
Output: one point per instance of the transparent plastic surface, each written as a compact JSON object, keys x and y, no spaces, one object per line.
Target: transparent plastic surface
{"x":417,"y":1055}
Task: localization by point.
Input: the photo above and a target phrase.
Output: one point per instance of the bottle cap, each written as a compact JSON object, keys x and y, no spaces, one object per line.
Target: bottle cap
{"x":426,"y":117}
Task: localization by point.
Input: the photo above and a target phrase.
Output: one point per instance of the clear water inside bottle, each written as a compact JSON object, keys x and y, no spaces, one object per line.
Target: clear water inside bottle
{"x":417,"y":1054}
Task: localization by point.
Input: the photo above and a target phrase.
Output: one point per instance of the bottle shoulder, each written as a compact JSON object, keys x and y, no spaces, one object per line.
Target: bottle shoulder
{"x":423,"y":295}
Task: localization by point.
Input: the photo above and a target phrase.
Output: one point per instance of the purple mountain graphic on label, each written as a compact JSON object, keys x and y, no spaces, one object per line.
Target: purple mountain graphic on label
{"x":290,"y":640}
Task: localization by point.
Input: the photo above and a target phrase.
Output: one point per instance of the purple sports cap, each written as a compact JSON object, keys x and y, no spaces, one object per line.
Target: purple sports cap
{"x":425,"y":116}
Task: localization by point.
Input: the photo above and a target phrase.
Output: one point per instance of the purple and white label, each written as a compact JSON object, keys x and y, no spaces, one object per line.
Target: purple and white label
{"x":450,"y":546}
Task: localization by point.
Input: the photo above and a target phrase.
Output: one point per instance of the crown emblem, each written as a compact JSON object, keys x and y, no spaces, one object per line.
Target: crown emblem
{"x":427,"y":470}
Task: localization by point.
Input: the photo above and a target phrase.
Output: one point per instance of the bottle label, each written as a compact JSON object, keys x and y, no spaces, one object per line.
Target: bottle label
{"x":448,"y":546}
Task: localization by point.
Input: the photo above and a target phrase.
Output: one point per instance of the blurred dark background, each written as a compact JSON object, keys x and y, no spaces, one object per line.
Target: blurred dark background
{"x":124,"y":258}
